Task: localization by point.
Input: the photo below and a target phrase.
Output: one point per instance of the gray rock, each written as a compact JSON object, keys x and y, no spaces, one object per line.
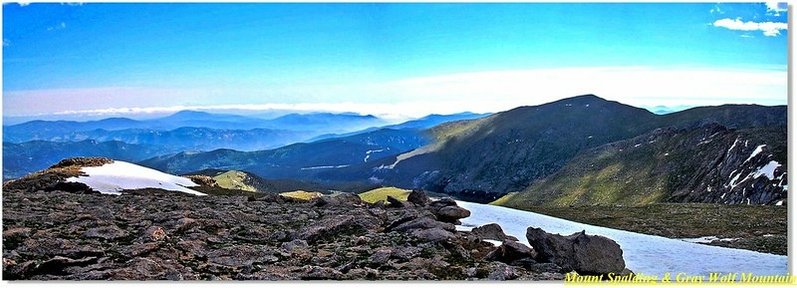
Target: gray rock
{"x":294,"y":244}
{"x":585,"y":254}
{"x":443,"y":203}
{"x":106,"y":232}
{"x":502,"y":272}
{"x":418,"y":197}
{"x":510,"y":251}
{"x":394,"y":203}
{"x":451,"y":213}
{"x":380,"y":256}
{"x":491,"y":231}
{"x":326,"y":227}
{"x":433,"y":234}
{"x":423,"y":223}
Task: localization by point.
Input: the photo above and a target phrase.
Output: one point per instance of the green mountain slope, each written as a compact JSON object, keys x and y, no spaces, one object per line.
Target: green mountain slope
{"x":710,"y":163}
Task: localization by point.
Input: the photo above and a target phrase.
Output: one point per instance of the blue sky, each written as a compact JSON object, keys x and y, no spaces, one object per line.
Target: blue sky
{"x":397,"y":59}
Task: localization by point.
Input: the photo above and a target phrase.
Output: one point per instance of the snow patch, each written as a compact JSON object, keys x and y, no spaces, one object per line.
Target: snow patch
{"x":647,"y":254}
{"x":707,"y":239}
{"x":368,"y":154}
{"x":757,"y":150}
{"x":768,"y":170}
{"x":114,"y":177}
{"x":732,"y":146}
{"x":780,"y":203}
{"x":495,"y":243}
{"x":324,"y":167}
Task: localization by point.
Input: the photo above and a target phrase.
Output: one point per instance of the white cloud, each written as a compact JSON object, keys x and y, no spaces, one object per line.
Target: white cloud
{"x":768,"y":28}
{"x":775,"y":8}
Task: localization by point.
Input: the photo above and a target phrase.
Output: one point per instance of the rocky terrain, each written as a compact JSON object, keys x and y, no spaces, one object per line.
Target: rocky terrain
{"x":153,"y":234}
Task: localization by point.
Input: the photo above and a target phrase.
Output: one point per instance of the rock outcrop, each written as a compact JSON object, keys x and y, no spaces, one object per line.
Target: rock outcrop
{"x":492,"y":231}
{"x":585,"y":254}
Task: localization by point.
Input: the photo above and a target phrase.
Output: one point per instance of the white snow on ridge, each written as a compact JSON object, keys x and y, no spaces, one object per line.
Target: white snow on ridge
{"x":368,"y":154}
{"x":324,"y":167}
{"x":757,"y":150}
{"x":653,"y":255}
{"x":114,"y":177}
{"x":732,"y":146}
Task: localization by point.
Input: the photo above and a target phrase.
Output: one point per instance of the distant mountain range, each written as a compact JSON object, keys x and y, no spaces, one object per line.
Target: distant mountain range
{"x":310,"y":124}
{"x":580,"y":150}
{"x":133,"y":140}
{"x":521,"y":149}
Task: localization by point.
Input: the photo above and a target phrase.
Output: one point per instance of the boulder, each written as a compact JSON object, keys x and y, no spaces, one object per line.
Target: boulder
{"x":510,"y":251}
{"x":491,"y":231}
{"x":394,"y":203}
{"x":418,"y":197}
{"x":435,"y":234}
{"x":341,"y":199}
{"x":451,"y":214}
{"x":349,"y":198}
{"x":442,"y":203}
{"x":422,"y":223}
{"x":585,"y":254}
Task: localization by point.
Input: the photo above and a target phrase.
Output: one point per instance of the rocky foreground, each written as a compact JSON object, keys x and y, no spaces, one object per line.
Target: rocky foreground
{"x":154,"y":234}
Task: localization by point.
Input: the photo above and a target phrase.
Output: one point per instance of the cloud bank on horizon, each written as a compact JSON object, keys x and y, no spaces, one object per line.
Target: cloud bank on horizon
{"x":396,"y":61}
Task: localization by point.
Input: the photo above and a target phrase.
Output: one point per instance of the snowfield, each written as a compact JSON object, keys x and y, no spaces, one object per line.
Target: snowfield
{"x":119,"y":175}
{"x":648,"y":254}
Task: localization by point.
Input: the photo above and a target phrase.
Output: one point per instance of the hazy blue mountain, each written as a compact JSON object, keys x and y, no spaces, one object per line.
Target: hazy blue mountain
{"x":310,"y":125}
{"x":56,"y":130}
{"x":420,"y":123}
{"x":432,"y":120}
{"x":197,"y":139}
{"x":334,"y":123}
{"x":302,"y":160}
